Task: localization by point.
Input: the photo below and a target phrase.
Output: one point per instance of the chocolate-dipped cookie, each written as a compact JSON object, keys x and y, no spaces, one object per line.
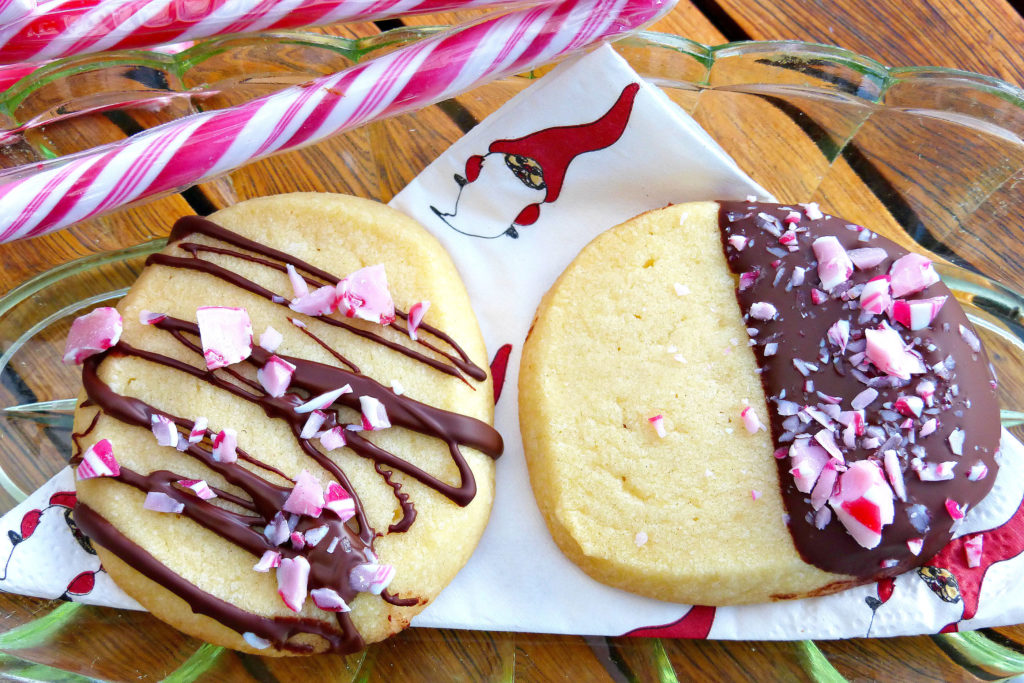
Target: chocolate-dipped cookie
{"x":287,"y":449}
{"x":736,"y":402}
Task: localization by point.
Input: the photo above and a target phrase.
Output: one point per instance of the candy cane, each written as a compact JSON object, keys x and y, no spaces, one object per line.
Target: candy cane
{"x":37,"y":199}
{"x":60,"y":28}
{"x":13,"y":10}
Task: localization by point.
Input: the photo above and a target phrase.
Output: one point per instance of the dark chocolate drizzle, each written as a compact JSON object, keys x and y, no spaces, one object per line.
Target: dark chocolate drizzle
{"x":966,"y":399}
{"x":345,"y":545}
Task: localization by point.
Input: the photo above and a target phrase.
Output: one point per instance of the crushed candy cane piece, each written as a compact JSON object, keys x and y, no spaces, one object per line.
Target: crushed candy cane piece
{"x":333,"y":438}
{"x":874,"y":297}
{"x":416,"y":313}
{"x":316,"y":534}
{"x":226,"y":335}
{"x":812,"y":211}
{"x":754,"y":494}
{"x":269,"y":560}
{"x":299,"y":285}
{"x":681,"y":290}
{"x":818,"y":296}
{"x":915,"y":545}
{"x":164,"y":429}
{"x":827,"y":439}
{"x":375,"y":415}
{"x":929,"y":427}
{"x":747,"y":279}
{"x":839,"y":334}
{"x":314,"y":422}
{"x":751,"y":420}
{"x":270,"y":339}
{"x":98,"y":461}
{"x":371,"y":577}
{"x":826,"y":485}
{"x":298,"y":540}
{"x":338,"y":501}
{"x":198,"y":487}
{"x":807,"y":460}
{"x":926,"y":390}
{"x":316,"y":303}
{"x":737,"y":242}
{"x":864,"y":399}
{"x":255,"y":641}
{"x":866,"y":258}
{"x":658,"y":421}
{"x":956,"y":441}
{"x":917,"y":314}
{"x":978,"y":471}
{"x":225,"y":445}
{"x":885,"y":349}
{"x":891,"y":461}
{"x":834,"y":264}
{"x":292,"y":581}
{"x":954,"y":509}
{"x":364,"y":294}
{"x":93,"y":333}
{"x":864,"y":502}
{"x":323,"y":400}
{"x":307,"y":496}
{"x":972,"y":339}
{"x":640,"y":539}
{"x":277,"y":530}
{"x":909,"y":406}
{"x":275,"y":376}
{"x":329,"y":600}
{"x":161,"y":502}
{"x":397,"y":387}
{"x":933,"y":471}
{"x":973,"y":549}
{"x":910,"y":274}
{"x":198,"y":431}
{"x":762,"y":310}
{"x":151,"y":318}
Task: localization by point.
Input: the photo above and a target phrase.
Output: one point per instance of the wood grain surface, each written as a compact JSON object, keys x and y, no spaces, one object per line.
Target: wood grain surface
{"x":985,"y":36}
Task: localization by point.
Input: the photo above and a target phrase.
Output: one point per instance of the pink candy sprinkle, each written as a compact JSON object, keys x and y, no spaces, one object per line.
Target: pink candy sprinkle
{"x":874,"y":298}
{"x":371,"y":577}
{"x":416,"y":313}
{"x":275,"y":376}
{"x":292,"y":581}
{"x":912,"y":273}
{"x":834,"y":265}
{"x":318,"y":302}
{"x":866,"y":258}
{"x":659,"y":425}
{"x":198,"y":487}
{"x":271,"y":340}
{"x":226,"y":335}
{"x":98,"y":461}
{"x":954,"y":509}
{"x":329,"y":600}
{"x":751,"y":420}
{"x":151,"y":318}
{"x":313,"y":424}
{"x":323,"y":400}
{"x":338,"y":501}
{"x":164,"y":429}
{"x":918,"y":314}
{"x":915,"y":545}
{"x":978,"y":471}
{"x":299,"y":285}
{"x":307,"y":496}
{"x":885,"y":349}
{"x":333,"y":438}
{"x":762,"y":310}
{"x":863,"y":503}
{"x":225,"y":445}
{"x":92,"y":333}
{"x":364,"y":294}
{"x":161,"y":502}
{"x":269,"y":560}
{"x":375,"y":415}
{"x":754,"y":494}
{"x":973,"y":549}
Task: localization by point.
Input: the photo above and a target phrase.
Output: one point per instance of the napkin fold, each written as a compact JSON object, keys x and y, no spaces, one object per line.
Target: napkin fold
{"x":586,"y":147}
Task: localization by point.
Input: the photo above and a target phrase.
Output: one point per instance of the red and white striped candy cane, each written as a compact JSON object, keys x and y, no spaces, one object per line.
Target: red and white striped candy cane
{"x":41,"y":198}
{"x":13,"y":10}
{"x":59,"y":28}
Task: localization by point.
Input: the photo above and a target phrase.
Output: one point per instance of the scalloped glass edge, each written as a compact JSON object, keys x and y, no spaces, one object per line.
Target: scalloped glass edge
{"x":879,"y":76}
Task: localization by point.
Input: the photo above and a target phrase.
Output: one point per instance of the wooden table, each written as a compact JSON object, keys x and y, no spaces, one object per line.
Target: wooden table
{"x":985,"y":36}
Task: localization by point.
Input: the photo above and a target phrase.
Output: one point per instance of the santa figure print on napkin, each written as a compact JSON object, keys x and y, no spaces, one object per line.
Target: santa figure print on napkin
{"x":534,"y":169}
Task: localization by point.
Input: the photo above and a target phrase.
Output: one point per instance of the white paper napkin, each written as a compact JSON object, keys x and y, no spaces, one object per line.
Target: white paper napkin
{"x":623,"y":149}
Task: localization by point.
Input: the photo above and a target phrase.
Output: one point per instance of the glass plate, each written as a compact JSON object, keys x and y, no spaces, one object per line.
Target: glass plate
{"x":929,"y":157}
